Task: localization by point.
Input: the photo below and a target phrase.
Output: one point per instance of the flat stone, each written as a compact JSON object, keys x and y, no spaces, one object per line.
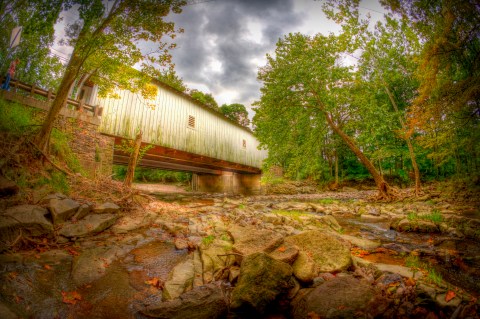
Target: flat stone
{"x":362,"y":243}
{"x":180,"y":243}
{"x":106,"y":208}
{"x":90,"y":225}
{"x":82,"y":211}
{"x":304,"y":268}
{"x":249,"y":240}
{"x":211,"y":255}
{"x":30,"y":220}
{"x":203,"y":302}
{"x":400,"y":270}
{"x":179,"y":280}
{"x":286,"y":253}
{"x":328,"y":252}
{"x":93,"y":263}
{"x":454,"y":302}
{"x":62,"y":209}
{"x":330,"y":221}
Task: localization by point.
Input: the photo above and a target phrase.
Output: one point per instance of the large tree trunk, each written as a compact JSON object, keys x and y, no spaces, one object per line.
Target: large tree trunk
{"x":43,"y":136}
{"x":418,"y":185}
{"x":385,"y":191}
{"x":132,"y":162}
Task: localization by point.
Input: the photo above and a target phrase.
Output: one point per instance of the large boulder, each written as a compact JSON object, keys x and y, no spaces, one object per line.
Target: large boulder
{"x":62,"y":209}
{"x":204,"y":302}
{"x":286,"y":253}
{"x":416,"y":225}
{"x":249,"y":240}
{"x":106,"y":208}
{"x":90,"y":225}
{"x":213,"y":257}
{"x":304,"y":268}
{"x":328,"y":252}
{"x":261,"y":280}
{"x":341,"y":297}
{"x":29,"y":220}
{"x":179,"y":280}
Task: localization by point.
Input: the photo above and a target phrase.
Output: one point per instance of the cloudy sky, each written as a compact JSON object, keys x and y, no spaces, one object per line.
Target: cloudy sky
{"x":225,"y":41}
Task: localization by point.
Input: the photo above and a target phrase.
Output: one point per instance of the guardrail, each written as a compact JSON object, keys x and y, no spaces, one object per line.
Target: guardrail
{"x":49,"y":95}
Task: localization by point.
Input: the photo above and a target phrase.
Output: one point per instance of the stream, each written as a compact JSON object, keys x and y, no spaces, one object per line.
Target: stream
{"x":129,"y":268}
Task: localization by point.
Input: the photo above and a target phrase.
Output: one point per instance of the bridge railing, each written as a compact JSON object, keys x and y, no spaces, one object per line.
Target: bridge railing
{"x":48,"y":96}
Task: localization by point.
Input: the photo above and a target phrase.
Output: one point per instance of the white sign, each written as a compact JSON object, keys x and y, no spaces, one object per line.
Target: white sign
{"x":15,"y":37}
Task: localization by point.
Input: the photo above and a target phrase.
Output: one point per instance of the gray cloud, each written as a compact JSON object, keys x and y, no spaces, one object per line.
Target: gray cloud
{"x":219,"y":30}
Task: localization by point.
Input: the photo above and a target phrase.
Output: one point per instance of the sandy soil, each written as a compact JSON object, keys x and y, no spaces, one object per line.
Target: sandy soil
{"x":159,"y":188}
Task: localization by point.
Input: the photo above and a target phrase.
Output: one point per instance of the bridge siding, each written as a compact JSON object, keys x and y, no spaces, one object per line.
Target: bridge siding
{"x":167,"y":125}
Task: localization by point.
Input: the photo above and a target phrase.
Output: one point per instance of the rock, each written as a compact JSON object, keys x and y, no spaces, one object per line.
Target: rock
{"x":400,"y":270}
{"x":106,"y":208}
{"x":249,"y":240}
{"x":6,"y":313}
{"x":341,"y":297}
{"x":304,"y":268}
{"x":7,"y":187}
{"x":328,"y":252}
{"x":454,"y":302}
{"x":261,"y":280}
{"x":92,"y":263}
{"x":286,"y":253}
{"x":211,"y":260}
{"x":233,"y":274}
{"x":362,"y":243}
{"x":203,"y":302}
{"x":329,"y":221}
{"x":373,"y":218}
{"x":420,"y":226}
{"x":179,"y":280}
{"x":180,"y":243}
{"x":272,"y":218}
{"x":293,"y":206}
{"x":82,"y":211}
{"x":62,"y":209}
{"x":127,"y":223}
{"x":30,"y":220}
{"x":90,"y":225}
{"x":197,"y":269}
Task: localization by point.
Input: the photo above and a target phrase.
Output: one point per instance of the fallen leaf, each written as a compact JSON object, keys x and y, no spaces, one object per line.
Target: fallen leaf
{"x":18,"y":299}
{"x":47,"y":267}
{"x":282,"y":249}
{"x":450,"y":295}
{"x":155,"y":282}
{"x":313,"y":315}
{"x":12,"y":275}
{"x":70,"y":297}
{"x":72,"y":251}
{"x":410,"y":282}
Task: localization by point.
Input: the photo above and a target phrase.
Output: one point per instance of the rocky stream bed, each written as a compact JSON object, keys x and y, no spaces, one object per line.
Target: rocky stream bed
{"x":329,"y":255}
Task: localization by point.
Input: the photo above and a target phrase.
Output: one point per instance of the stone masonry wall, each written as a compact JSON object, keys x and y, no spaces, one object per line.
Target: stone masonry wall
{"x":94,"y":150}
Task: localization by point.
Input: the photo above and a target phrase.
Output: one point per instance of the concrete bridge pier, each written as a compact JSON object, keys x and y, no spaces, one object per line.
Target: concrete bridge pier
{"x":227,"y":182}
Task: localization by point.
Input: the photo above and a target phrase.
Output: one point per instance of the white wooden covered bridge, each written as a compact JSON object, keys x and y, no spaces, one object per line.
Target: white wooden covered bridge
{"x":186,"y":135}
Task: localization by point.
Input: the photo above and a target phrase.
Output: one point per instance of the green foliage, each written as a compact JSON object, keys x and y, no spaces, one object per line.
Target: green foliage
{"x":327,"y":201}
{"x":208,"y":240}
{"x":435,"y":216}
{"x":15,"y":118}
{"x":205,"y":98}
{"x":171,"y":78}
{"x":236,"y":112}
{"x":152,"y":175}
{"x":60,"y":148}
{"x":294,"y":214}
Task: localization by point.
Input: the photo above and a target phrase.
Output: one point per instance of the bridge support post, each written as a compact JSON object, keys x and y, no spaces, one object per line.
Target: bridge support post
{"x":228,"y":182}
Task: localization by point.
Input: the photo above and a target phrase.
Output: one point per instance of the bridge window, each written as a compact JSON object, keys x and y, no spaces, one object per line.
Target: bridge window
{"x":191,"y":121}
{"x":244,"y":143}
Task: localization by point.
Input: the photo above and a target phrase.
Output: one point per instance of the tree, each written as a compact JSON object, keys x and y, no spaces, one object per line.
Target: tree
{"x":105,"y":43}
{"x":447,"y":106}
{"x":236,"y":112}
{"x":171,"y":78}
{"x":305,"y":77}
{"x":205,"y":98}
{"x":37,"y":19}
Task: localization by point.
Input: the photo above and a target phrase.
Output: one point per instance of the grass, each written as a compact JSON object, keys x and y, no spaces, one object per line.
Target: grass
{"x":294,"y":214}
{"x":241,"y":206}
{"x":435,"y":216}
{"x":434,"y":276}
{"x":327,"y":201}
{"x":208,"y":240}
{"x":413,"y":262}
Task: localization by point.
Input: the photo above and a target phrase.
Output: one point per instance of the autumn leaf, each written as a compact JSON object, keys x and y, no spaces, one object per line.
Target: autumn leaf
{"x":47,"y":267}
{"x":410,"y":282}
{"x":282,"y":249}
{"x":72,"y":251}
{"x":155,"y":282}
{"x":313,"y":315}
{"x":450,"y":295}
{"x":70,"y":297}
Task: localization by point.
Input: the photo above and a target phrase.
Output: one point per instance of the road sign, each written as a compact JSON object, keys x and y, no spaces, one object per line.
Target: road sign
{"x":15,"y":37}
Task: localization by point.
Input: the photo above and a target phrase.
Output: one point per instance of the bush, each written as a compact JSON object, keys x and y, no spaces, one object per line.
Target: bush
{"x":152,"y":175}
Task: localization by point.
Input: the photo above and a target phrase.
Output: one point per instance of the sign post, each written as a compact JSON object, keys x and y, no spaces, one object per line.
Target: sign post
{"x":15,"y":37}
